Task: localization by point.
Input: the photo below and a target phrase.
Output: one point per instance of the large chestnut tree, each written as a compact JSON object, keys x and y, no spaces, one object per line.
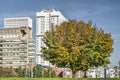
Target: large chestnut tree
{"x":77,"y":45}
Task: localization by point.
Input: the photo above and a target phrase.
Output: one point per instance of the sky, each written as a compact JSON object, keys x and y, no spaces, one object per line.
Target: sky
{"x":104,"y":13}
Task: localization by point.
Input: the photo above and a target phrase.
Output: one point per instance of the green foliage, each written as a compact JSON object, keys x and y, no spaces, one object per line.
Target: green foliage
{"x":7,"y":72}
{"x":20,"y":71}
{"x":59,"y":79}
{"x":39,"y":72}
{"x":77,"y":45}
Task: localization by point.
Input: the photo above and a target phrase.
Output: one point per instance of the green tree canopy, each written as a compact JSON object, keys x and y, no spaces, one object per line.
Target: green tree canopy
{"x":77,"y":45}
{"x":39,"y":72}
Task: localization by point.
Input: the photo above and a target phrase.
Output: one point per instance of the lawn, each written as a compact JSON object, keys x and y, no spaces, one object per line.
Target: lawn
{"x":59,"y":79}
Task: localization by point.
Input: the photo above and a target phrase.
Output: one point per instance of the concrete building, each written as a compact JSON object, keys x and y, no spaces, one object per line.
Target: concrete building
{"x":44,"y":20}
{"x":16,"y":47}
{"x":18,"y":22}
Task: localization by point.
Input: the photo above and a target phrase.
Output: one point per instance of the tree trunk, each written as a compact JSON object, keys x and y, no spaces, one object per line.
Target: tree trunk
{"x":74,"y":74}
{"x":85,"y":74}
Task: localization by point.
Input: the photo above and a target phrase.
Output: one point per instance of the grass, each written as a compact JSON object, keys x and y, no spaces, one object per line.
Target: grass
{"x":59,"y":78}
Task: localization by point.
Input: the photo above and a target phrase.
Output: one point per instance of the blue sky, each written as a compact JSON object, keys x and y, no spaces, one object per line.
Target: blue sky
{"x":103,"y":13}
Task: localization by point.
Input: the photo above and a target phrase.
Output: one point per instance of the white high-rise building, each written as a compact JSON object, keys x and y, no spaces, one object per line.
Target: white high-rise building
{"x":18,"y":22}
{"x":44,"y":19}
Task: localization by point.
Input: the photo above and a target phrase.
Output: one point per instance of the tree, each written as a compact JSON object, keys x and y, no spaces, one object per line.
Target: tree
{"x":37,"y":71}
{"x":77,"y":45}
{"x":20,"y":71}
{"x":40,"y":72}
{"x":7,"y":72}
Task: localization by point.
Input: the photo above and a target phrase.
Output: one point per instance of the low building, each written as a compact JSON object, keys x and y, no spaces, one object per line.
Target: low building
{"x":111,"y":73}
{"x":96,"y":72}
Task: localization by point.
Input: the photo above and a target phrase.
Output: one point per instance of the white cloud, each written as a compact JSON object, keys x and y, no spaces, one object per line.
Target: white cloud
{"x":116,"y":35}
{"x":88,"y":11}
{"x":102,"y":9}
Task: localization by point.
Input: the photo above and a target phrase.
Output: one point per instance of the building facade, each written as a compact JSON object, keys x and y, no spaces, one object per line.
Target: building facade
{"x":18,"y":22}
{"x":44,"y":20}
{"x":16,"y":47}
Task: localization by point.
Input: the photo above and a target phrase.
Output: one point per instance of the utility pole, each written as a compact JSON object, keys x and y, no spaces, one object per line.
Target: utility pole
{"x":119,"y":69}
{"x":42,"y":61}
{"x":105,"y":72}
